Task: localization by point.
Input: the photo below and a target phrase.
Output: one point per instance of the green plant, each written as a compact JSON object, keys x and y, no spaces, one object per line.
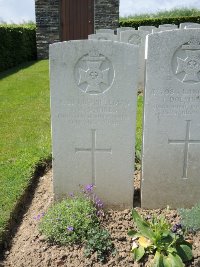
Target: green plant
{"x":18,"y":44}
{"x":135,"y":23}
{"x":156,"y":237}
{"x":69,"y":221}
{"x":190,"y":218}
{"x":175,"y":12}
{"x":99,"y":241}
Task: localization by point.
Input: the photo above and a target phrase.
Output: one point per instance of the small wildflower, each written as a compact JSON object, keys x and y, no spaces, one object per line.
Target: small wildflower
{"x":89,"y":188}
{"x":134,"y":245}
{"x":176,"y":228}
{"x":38,"y":217}
{"x":70,"y":228}
{"x":71,"y":194}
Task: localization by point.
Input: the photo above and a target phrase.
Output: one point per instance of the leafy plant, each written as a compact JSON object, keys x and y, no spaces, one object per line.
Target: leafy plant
{"x":190,"y":218}
{"x":77,"y":220}
{"x":99,"y":241}
{"x":156,"y":237}
{"x":69,"y":221}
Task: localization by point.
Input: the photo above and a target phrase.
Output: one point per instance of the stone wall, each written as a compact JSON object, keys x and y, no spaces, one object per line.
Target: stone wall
{"x":48,"y":21}
{"x":48,"y":25}
{"x":106,"y":14}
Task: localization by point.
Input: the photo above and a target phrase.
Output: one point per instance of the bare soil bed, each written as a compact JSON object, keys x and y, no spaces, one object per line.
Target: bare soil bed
{"x":29,"y":248}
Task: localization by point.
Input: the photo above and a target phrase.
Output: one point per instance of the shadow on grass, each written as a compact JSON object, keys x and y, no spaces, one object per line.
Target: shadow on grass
{"x":17,"y":68}
{"x":22,"y":206}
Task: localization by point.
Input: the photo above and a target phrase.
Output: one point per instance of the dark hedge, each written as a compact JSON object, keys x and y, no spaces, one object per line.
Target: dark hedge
{"x":135,"y":23}
{"x":17,"y":45}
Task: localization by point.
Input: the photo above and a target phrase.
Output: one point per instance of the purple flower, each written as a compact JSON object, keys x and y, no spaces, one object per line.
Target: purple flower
{"x":70,"y":228}
{"x":39,"y":216}
{"x":98,"y":203}
{"x":176,"y":227}
{"x":89,"y":187}
{"x":71,"y":194}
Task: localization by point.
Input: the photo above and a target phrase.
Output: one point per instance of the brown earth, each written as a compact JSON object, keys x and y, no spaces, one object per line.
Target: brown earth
{"x":29,"y":248}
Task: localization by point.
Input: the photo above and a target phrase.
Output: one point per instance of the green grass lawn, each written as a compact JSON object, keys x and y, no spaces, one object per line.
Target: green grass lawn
{"x":25,"y":130}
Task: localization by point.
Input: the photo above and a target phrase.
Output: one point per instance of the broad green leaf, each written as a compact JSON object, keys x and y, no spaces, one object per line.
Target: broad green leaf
{"x":132,"y":233}
{"x":166,"y":262}
{"x":185,"y":252}
{"x":158,"y":260}
{"x":138,"y":253}
{"x":143,"y":226}
{"x":175,"y":260}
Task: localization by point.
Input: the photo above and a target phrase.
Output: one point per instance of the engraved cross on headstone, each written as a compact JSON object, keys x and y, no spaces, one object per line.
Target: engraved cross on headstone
{"x":187,"y":141}
{"x":93,"y":149}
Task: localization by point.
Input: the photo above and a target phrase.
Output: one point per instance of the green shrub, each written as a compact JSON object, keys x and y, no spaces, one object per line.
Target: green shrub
{"x":17,"y":45}
{"x":77,"y":220}
{"x":69,"y":221}
{"x":135,"y":23}
{"x":99,"y":241}
{"x":175,"y":12}
{"x":190,"y":218}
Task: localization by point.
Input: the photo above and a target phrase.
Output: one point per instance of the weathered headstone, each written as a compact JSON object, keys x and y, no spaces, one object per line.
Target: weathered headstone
{"x":165,"y":27}
{"x":171,"y":138}
{"x":103,"y":36}
{"x":105,"y":31}
{"x":137,"y":38}
{"x":171,"y":26}
{"x":121,"y":29}
{"x":192,"y":26}
{"x":93,"y":107}
{"x":146,"y":28}
{"x":184,"y":24}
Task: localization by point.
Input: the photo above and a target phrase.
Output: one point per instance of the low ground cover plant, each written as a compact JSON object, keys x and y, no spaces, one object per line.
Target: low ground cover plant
{"x":157,"y":237}
{"x":190,"y":218}
{"x":76,"y":220}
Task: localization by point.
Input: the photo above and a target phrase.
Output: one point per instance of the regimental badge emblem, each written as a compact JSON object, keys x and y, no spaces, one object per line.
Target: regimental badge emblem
{"x":94,"y":73}
{"x":186,"y":62}
{"x":134,"y":39}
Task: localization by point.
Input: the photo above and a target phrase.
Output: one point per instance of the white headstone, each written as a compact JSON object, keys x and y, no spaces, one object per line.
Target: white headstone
{"x":121,"y":29}
{"x":103,"y":36}
{"x":163,"y":29}
{"x":184,"y":24}
{"x":146,"y":28}
{"x":137,"y":38}
{"x":192,"y":26}
{"x":171,"y":26}
{"x":105,"y":31}
{"x":93,"y":107}
{"x":171,"y":138}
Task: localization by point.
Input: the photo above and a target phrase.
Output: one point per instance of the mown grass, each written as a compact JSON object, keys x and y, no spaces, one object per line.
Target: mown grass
{"x":176,"y":12}
{"x":25,"y":130}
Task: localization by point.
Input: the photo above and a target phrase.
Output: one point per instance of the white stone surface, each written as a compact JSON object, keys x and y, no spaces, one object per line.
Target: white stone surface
{"x":93,"y":108}
{"x":105,"y":31}
{"x":103,"y":36}
{"x":146,"y":28}
{"x":121,"y":29}
{"x":171,"y":26}
{"x":192,"y":26}
{"x":184,"y":24}
{"x":163,"y":29}
{"x":137,"y":37}
{"x":171,"y":139}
